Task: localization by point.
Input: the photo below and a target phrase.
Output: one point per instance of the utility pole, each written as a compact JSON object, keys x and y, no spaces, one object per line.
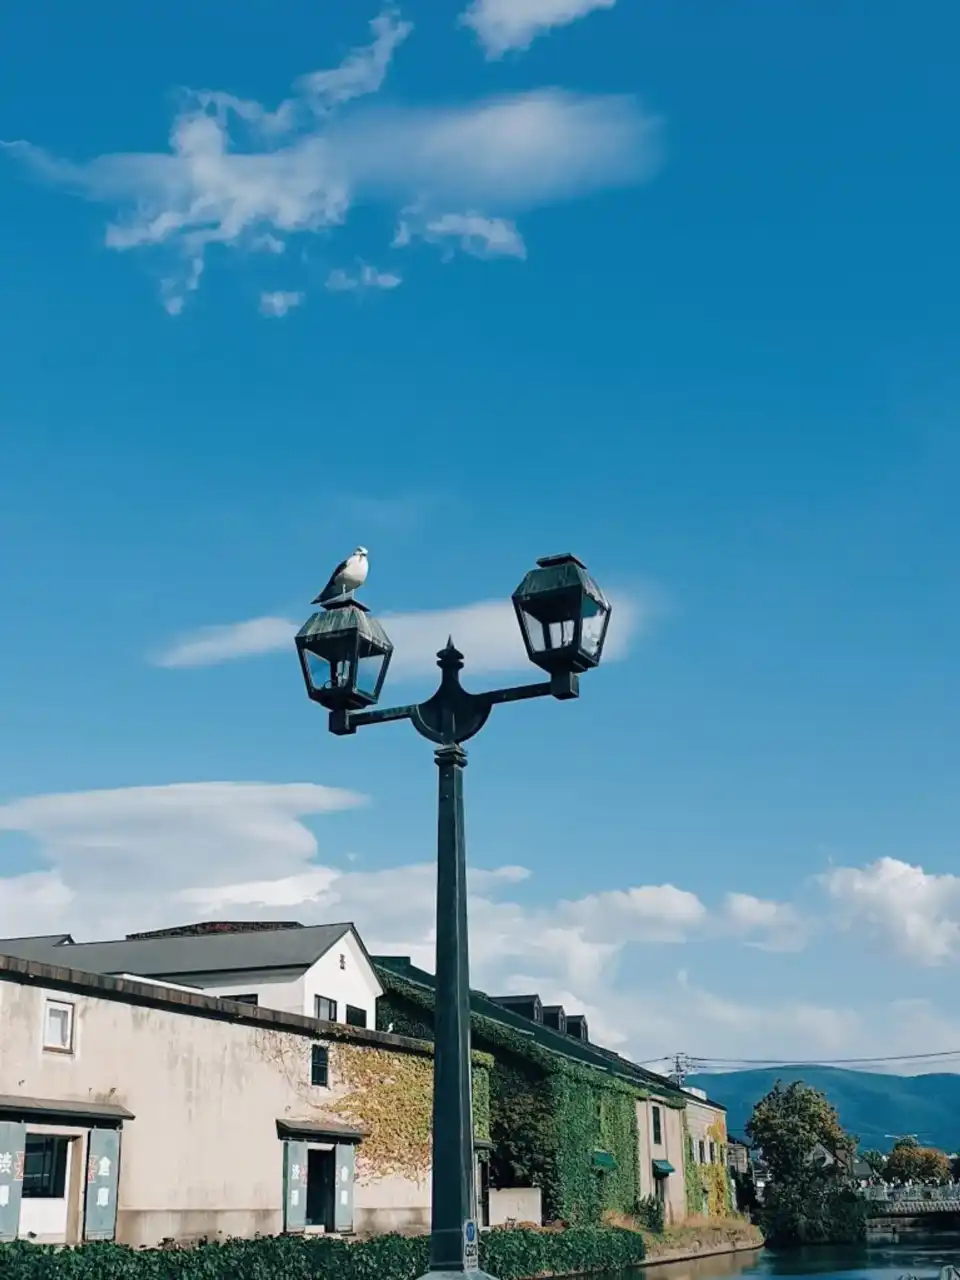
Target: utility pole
{"x":681,"y":1068}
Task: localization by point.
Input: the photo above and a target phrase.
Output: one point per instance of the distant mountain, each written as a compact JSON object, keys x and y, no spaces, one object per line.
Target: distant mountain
{"x":871,"y":1105}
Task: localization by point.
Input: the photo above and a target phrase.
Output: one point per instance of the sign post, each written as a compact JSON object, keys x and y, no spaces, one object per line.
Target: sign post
{"x":471,"y":1247}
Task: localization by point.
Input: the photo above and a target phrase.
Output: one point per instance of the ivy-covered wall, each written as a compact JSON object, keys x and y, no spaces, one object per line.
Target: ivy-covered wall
{"x":709,"y":1184}
{"x":389,"y":1093}
{"x":548,"y":1116}
{"x":696,"y":1191}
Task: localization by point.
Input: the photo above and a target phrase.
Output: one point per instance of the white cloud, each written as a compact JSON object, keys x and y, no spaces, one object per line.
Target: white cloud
{"x":277,"y":304}
{"x":247,"y":639}
{"x":477,"y":235}
{"x":367,"y":277}
{"x":915,"y":913}
{"x":116,"y":861}
{"x":128,"y":853}
{"x":502,"y":25}
{"x":240,"y":175}
{"x":486,"y":632}
{"x":363,"y":71}
{"x":650,"y":913}
{"x":771,"y":926}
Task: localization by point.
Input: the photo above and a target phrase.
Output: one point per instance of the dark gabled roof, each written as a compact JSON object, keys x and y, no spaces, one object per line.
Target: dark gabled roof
{"x":35,"y":948}
{"x":545,"y":1037}
{"x":282,"y":949}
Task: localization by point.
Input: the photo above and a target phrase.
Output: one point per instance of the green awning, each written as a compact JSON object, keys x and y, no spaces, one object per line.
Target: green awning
{"x":605,"y":1161}
{"x":662,"y":1168}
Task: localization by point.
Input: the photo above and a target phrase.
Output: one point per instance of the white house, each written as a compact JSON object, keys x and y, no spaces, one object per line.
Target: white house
{"x":319,"y":971}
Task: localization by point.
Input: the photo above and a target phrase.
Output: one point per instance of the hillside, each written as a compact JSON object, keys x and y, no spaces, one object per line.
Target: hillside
{"x":870,"y":1104}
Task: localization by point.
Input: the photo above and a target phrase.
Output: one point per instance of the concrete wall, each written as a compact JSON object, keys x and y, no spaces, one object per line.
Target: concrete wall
{"x":707,"y":1124}
{"x":670,"y":1147}
{"x":202,"y":1156}
{"x":516,"y":1204}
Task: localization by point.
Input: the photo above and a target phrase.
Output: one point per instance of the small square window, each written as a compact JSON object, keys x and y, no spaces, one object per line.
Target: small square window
{"x":356,"y":1017}
{"x":58,"y":1026}
{"x":324,"y":1010}
{"x":320,"y":1066}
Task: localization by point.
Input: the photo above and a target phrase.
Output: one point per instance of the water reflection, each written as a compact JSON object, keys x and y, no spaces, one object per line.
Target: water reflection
{"x":878,"y":1262}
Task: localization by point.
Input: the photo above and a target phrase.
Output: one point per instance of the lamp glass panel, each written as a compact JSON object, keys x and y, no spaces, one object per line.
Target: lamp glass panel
{"x":537,"y":633}
{"x":368,"y":673}
{"x":325,"y":674}
{"x":594,"y":622}
{"x":562,"y":633}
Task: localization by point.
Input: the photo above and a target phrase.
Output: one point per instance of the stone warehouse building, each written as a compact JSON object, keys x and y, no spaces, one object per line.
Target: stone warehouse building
{"x":234,"y":1079}
{"x":138,"y":1112}
{"x":709,"y":1185}
{"x":594,"y":1132}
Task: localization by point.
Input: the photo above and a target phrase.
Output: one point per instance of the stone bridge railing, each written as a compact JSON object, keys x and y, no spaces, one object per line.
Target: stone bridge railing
{"x":911,"y":1201}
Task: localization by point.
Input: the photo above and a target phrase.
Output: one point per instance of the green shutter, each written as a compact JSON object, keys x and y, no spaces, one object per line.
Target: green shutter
{"x":103,"y":1180}
{"x":346,"y":1164}
{"x":294,"y":1186}
{"x":13,"y":1144}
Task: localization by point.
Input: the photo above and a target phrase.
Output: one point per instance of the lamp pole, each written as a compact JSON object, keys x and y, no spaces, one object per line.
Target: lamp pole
{"x":450,"y":717}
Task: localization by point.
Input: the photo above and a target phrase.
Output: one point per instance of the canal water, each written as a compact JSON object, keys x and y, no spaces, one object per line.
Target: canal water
{"x":877,"y":1262}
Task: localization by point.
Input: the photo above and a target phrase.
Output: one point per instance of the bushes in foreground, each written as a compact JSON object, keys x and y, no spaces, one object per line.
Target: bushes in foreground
{"x":515,"y":1254}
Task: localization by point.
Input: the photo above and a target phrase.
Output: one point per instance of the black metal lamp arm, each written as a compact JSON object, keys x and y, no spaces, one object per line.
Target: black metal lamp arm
{"x":452,"y":714}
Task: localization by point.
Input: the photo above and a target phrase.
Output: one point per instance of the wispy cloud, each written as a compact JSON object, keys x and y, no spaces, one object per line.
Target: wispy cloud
{"x":908,"y":910}
{"x":502,"y":25}
{"x":240,"y":175}
{"x":366,"y":277}
{"x":486,"y":631}
{"x":475,"y":234}
{"x":278,"y":304}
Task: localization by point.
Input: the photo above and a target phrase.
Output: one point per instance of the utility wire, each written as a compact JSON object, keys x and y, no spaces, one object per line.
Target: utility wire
{"x":821,"y":1062}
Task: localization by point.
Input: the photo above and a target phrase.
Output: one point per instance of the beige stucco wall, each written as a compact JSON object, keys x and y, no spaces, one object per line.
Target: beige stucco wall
{"x":669,"y":1148}
{"x":707,"y":1124}
{"x":202,"y":1156}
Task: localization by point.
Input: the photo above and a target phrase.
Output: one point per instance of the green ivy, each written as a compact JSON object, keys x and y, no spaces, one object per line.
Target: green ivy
{"x":548,"y":1113}
{"x":696,"y":1191}
{"x":510,"y":1255}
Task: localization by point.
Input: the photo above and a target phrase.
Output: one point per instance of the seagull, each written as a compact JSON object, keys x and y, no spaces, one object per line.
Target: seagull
{"x":346,"y":577}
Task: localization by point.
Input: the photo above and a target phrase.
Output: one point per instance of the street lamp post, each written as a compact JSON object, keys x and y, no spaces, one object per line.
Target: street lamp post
{"x":344,"y":655}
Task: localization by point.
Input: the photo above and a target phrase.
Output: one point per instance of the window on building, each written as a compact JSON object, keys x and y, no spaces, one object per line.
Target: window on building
{"x":324,"y":1009}
{"x":45,"y":1167}
{"x":703,"y":1151}
{"x":657,"y":1126}
{"x":713,"y":1153}
{"x":250,"y":998}
{"x":356,"y":1017}
{"x":58,"y":1026}
{"x":320,"y":1066}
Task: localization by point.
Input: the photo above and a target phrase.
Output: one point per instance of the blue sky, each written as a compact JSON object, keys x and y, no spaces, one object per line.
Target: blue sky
{"x":669,"y":286}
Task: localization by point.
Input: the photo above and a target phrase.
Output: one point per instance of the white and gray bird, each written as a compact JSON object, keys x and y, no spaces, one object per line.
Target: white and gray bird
{"x":347,"y":576}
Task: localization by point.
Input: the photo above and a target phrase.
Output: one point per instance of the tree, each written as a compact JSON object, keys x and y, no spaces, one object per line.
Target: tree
{"x":909,"y":1162}
{"x":790,"y":1123}
{"x":811,"y":1197}
{"x":875,"y":1160}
